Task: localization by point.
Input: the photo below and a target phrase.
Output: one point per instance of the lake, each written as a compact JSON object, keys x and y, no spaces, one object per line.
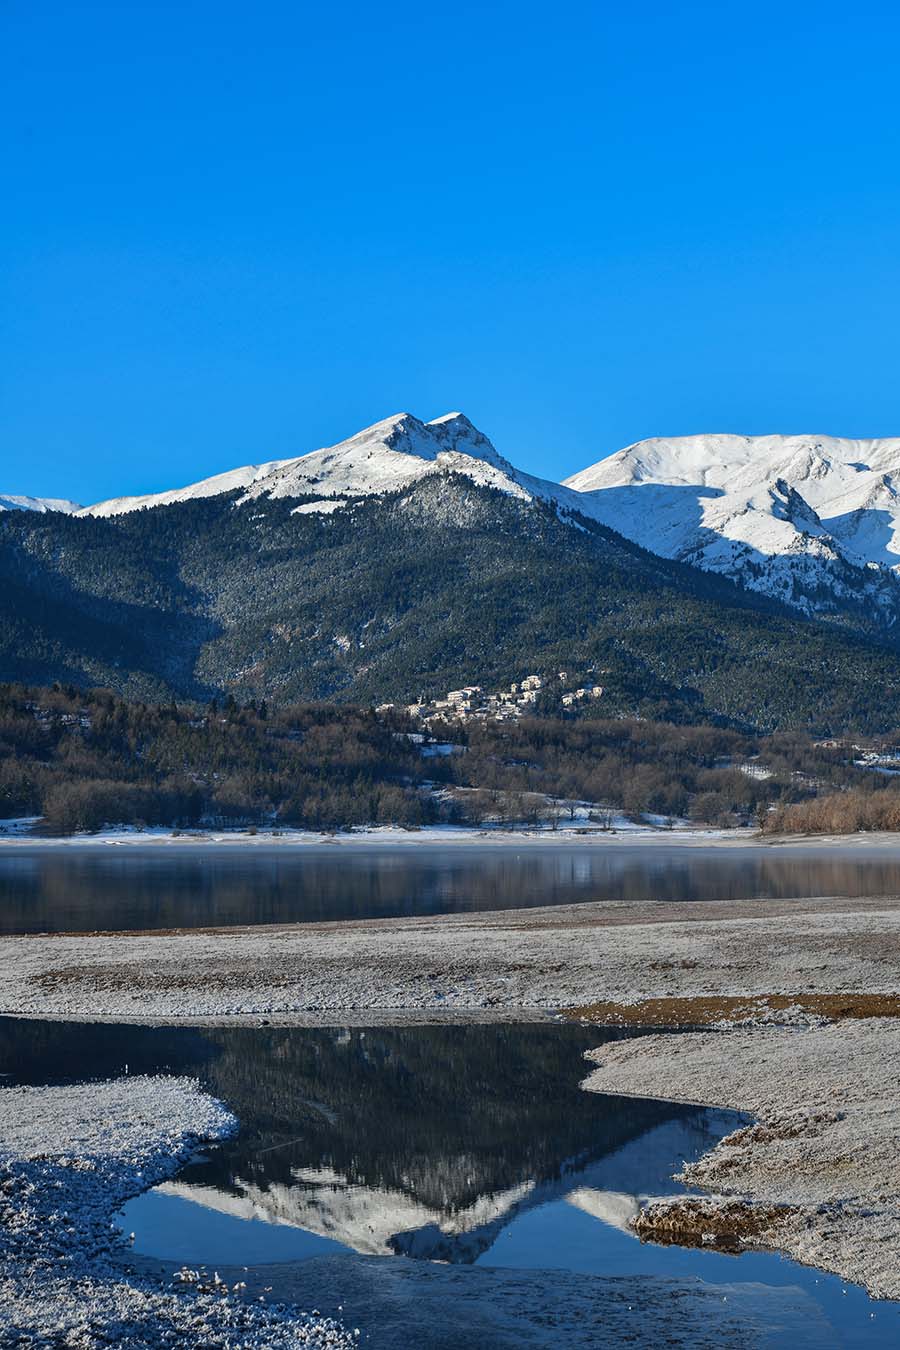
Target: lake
{"x":469,"y":1145}
{"x":82,"y":888}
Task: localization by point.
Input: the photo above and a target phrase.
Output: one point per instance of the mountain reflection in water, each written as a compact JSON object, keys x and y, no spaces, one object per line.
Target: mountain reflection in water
{"x":422,"y":1141}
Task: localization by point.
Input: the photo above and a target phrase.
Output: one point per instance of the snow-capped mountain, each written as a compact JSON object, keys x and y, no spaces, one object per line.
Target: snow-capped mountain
{"x":244,"y":477}
{"x":415,"y":556}
{"x":812,"y":520}
{"x":39,"y":504}
{"x":389,"y":456}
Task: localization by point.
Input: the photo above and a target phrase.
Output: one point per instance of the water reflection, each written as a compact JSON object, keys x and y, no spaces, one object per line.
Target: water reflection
{"x":468,"y":1145}
{"x":79,"y":889}
{"x":424,"y":1142}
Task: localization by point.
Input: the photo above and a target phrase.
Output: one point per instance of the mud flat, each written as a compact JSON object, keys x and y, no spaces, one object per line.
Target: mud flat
{"x":818,"y":1174}
{"x":507,"y":963}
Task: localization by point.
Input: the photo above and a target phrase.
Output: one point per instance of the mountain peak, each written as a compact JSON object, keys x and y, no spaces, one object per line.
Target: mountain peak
{"x":782,"y":514}
{"x":387,"y":456}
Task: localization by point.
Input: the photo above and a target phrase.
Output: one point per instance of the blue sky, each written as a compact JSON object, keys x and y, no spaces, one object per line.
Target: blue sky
{"x":238,"y":232}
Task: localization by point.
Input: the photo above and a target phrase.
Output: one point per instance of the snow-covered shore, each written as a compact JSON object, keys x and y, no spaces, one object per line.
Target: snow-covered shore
{"x":826,"y":1152}
{"x":69,"y":1157}
{"x":19,"y":834}
{"x":16,"y":835}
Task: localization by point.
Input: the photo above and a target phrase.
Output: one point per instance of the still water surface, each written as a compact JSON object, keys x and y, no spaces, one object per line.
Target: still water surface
{"x":472,"y":1145}
{"x":86,"y":889}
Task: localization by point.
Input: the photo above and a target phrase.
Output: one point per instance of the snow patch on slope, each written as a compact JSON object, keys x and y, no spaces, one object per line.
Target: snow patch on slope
{"x":207,"y":487}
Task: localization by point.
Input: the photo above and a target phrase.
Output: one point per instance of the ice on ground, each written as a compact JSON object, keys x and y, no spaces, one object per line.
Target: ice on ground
{"x":506,"y":961}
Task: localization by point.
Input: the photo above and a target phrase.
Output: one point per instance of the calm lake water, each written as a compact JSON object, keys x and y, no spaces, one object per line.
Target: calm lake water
{"x":134,"y":887}
{"x":465,"y":1144}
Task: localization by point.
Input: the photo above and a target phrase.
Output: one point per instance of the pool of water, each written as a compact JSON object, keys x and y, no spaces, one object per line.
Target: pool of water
{"x":469,"y":1145}
{"x":85,"y":889}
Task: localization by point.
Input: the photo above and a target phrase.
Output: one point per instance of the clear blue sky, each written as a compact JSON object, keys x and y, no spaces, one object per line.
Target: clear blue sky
{"x":239,"y":231}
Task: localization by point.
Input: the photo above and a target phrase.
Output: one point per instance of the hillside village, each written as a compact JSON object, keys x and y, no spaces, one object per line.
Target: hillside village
{"x":473,"y":703}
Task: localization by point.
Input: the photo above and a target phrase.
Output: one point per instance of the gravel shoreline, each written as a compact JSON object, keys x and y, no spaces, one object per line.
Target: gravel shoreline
{"x":69,"y":1158}
{"x":519,"y":963}
{"x":825,"y":1151}
{"x":819,"y":1171}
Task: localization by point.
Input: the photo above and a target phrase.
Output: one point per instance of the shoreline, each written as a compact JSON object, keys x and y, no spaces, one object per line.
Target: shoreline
{"x":816,"y":1175}
{"x":446,"y":837}
{"x":361,"y":1017}
{"x":68,"y":1277}
{"x":70,"y":1157}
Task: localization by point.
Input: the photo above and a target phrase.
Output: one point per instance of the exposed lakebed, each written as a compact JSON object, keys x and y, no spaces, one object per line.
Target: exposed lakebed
{"x":82,"y":888}
{"x":473,"y":1145}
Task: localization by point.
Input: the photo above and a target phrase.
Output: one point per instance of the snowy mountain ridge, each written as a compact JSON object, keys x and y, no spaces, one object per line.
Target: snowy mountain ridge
{"x":39,"y":504}
{"x":813,"y":521}
{"x":391,"y":455}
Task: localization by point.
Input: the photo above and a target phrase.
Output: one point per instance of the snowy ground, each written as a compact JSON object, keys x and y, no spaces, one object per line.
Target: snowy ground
{"x":827,"y":1145}
{"x":827,"y":1141}
{"x":517,"y":963}
{"x":21,"y":831}
{"x":69,"y":1157}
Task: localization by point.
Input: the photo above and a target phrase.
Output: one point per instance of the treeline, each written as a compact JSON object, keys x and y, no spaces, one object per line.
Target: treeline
{"x":709,"y":775}
{"x":84,"y":760}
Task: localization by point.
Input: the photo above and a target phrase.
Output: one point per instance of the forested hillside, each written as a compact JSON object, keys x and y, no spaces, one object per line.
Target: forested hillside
{"x":82,"y":760}
{"x":395,"y":596}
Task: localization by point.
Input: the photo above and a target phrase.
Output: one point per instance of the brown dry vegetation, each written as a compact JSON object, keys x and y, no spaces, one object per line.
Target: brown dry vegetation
{"x":837,"y":813}
{"x":708,"y":1010}
{"x":84,"y":759}
{"x":695,"y":1222}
